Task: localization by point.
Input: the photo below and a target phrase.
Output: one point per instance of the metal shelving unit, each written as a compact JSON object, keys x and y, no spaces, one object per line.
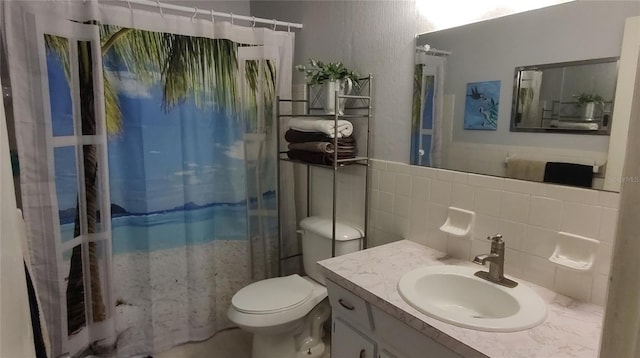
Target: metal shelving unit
{"x":358,"y":109}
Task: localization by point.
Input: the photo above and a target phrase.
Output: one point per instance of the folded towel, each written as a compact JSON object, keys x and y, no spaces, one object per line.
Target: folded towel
{"x":316,"y":158}
{"x":322,"y":147}
{"x":569,"y":174}
{"x":326,"y":126}
{"x":574,"y":125}
{"x":294,"y":136}
{"x":317,"y":147}
{"x":526,"y":169}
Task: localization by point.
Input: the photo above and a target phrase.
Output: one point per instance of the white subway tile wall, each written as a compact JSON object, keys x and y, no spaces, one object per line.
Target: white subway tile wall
{"x":410,"y":202}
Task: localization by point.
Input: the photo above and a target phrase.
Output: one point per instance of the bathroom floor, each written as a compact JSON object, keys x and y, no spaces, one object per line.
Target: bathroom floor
{"x":233,"y":343}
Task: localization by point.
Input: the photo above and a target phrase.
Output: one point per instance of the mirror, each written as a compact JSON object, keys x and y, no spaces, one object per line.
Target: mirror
{"x":464,"y":90}
{"x":570,"y":97}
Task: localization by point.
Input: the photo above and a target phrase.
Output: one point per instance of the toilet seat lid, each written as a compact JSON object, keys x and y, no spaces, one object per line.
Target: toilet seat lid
{"x":272,"y":295}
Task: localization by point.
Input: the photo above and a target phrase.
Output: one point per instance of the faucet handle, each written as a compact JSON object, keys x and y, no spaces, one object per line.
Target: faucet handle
{"x":497,"y":238}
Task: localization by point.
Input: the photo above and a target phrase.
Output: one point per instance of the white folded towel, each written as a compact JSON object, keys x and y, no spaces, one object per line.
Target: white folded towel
{"x":326,"y":126}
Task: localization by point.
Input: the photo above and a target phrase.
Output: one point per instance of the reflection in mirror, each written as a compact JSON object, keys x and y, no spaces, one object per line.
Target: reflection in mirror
{"x":462,"y":109}
{"x":570,"y":97}
{"x":426,"y":126}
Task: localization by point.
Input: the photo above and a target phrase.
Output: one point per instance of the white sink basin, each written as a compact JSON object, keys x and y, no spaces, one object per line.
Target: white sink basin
{"x":454,"y":295}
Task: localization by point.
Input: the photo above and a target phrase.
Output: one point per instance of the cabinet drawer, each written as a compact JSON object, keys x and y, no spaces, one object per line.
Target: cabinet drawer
{"x":349,"y":306}
{"x":347,"y":342}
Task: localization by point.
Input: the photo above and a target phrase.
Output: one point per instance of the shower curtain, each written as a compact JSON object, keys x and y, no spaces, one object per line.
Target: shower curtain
{"x":148,"y":169}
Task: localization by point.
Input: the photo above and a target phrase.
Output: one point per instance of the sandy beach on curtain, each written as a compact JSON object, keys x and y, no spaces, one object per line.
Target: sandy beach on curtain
{"x":176,"y":294}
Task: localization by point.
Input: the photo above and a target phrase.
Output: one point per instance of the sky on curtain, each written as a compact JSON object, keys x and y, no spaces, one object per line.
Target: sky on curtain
{"x":167,"y":169}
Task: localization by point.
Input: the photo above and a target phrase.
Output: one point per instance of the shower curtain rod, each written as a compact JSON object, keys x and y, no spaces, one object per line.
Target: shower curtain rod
{"x":194,"y":11}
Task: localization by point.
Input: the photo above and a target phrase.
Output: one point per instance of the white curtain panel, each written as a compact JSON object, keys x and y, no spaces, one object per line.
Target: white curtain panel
{"x":25,"y":22}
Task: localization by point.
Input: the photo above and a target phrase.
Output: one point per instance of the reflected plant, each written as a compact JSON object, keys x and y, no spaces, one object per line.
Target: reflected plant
{"x":584,"y":98}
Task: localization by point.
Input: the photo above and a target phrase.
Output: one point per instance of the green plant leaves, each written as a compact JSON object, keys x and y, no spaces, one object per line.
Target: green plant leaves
{"x":584,"y":98}
{"x":319,"y":72}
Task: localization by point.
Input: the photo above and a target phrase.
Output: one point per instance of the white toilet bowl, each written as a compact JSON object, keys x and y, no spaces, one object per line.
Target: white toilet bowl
{"x":286,"y":314}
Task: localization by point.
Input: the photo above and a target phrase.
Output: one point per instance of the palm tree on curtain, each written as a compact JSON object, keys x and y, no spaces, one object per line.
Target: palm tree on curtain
{"x":185,"y":66}
{"x":417,"y":98}
{"x":416,"y":115}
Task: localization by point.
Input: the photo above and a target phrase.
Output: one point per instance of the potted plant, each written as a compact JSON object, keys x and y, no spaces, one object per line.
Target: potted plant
{"x":588,"y":103}
{"x":334,"y":76}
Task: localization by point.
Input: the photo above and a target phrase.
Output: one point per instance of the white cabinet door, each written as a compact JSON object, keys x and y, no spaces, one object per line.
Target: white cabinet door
{"x":347,"y":342}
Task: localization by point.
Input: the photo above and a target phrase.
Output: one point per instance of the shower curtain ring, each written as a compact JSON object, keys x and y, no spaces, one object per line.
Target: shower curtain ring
{"x":253,"y":23}
{"x":213,"y":21}
{"x":195,"y":13}
{"x":231,"y":18}
{"x":289,"y":27}
{"x":275,"y":23}
{"x":160,"y":8}
{"x":128,"y":4}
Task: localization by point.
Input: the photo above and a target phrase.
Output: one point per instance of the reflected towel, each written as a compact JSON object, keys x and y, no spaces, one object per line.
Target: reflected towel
{"x":526,"y":169}
{"x":326,"y":126}
{"x":569,"y":174}
{"x":294,"y":136}
{"x":574,"y":125}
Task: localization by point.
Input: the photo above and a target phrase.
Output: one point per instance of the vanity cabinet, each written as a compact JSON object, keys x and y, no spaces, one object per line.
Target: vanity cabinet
{"x":360,"y":330}
{"x":349,"y":342}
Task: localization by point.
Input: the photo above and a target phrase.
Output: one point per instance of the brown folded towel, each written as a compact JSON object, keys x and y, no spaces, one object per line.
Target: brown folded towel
{"x":318,"y":147}
{"x":294,"y":136}
{"x":316,"y":158}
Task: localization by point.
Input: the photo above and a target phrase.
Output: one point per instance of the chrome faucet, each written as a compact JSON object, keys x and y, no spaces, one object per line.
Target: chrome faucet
{"x":496,"y":263}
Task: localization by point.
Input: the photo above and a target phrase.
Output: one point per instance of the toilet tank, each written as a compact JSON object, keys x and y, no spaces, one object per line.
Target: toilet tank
{"x":316,"y":242}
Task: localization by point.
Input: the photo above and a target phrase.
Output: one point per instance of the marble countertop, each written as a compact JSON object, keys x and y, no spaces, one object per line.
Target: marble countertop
{"x":571,"y":329}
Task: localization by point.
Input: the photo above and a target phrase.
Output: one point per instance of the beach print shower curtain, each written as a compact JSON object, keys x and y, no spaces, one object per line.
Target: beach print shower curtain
{"x":147,"y":146}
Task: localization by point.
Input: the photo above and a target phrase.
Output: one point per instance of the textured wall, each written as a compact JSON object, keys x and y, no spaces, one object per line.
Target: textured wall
{"x":370,"y":36}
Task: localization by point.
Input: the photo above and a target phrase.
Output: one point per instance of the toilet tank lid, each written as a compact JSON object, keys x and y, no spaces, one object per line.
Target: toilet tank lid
{"x":323,"y":227}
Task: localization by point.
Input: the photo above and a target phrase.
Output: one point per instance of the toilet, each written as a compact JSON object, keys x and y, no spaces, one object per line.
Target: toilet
{"x":286,"y":314}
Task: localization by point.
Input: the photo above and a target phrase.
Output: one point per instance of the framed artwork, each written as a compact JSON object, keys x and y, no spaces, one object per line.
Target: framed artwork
{"x":481,"y":105}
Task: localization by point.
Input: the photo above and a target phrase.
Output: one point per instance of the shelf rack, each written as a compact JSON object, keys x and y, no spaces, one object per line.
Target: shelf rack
{"x":358,"y":108}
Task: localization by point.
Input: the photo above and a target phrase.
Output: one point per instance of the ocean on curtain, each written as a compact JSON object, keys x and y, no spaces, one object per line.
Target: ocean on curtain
{"x":147,"y":147}
{"x":427,"y":115}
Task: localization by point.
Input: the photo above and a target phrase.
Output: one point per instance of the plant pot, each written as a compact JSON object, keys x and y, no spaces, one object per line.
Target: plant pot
{"x":588,"y":110}
{"x":343,"y":87}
